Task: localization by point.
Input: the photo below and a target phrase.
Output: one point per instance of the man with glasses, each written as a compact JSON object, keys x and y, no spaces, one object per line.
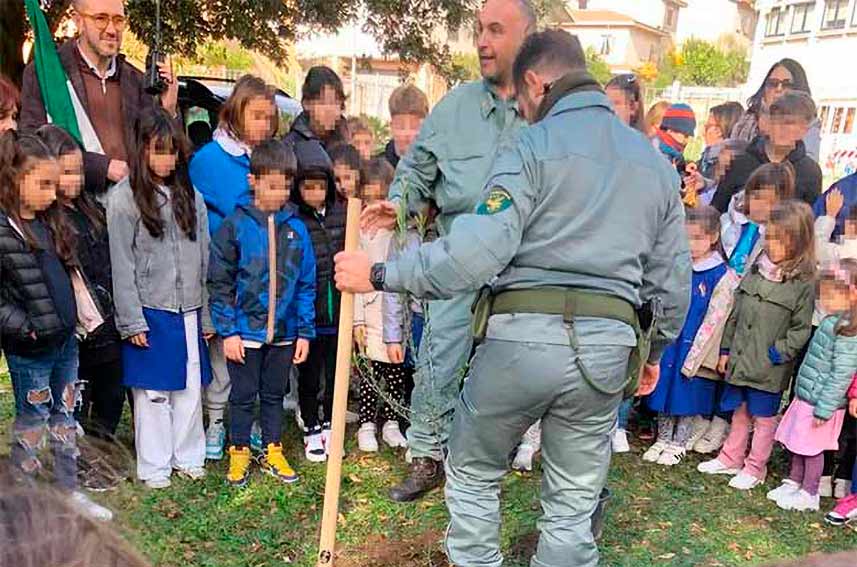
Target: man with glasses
{"x":109,"y":89}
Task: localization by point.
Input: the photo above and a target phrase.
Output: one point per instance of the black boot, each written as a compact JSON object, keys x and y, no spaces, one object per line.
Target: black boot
{"x":425,"y":475}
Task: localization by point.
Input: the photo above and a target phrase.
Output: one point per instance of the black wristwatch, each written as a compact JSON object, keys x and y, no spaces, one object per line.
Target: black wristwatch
{"x":378,"y":275}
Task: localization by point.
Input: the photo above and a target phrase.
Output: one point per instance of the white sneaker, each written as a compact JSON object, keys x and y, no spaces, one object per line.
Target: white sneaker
{"x":215,"y":439}
{"x":366,"y":440}
{"x":392,"y":435}
{"x":825,"y":487}
{"x":787,"y":488}
{"x":158,"y":483}
{"x":193,"y":473}
{"x":714,"y":466}
{"x":82,"y":503}
{"x":714,"y":437}
{"x":620,"y":441}
{"x":653,"y":453}
{"x":744,"y":481}
{"x":524,"y":458}
{"x":672,"y":455}
{"x":314,"y":446}
{"x":803,"y":501}
{"x":841,"y":488}
{"x":698,"y":430}
{"x":351,"y":417}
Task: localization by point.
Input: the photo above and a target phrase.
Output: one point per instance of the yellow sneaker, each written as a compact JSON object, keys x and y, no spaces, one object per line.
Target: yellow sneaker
{"x":239,"y":466}
{"x":275,"y":464}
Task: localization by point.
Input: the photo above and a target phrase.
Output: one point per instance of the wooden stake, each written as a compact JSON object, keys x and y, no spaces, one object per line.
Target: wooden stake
{"x":340,"y":401}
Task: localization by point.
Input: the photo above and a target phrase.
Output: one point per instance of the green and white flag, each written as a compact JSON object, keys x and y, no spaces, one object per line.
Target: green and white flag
{"x":62,"y":105}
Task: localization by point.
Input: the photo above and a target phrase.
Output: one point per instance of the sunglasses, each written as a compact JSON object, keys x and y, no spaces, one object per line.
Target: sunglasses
{"x":777,"y":83}
{"x":101,"y":21}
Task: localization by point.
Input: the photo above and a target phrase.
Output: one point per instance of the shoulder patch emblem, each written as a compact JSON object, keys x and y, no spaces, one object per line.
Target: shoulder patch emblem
{"x":498,"y":200}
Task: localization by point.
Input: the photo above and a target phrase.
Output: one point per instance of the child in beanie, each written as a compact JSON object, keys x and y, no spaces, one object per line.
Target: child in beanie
{"x":677,"y":128}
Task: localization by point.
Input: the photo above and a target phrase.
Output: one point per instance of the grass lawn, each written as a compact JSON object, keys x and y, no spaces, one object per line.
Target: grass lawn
{"x":664,"y":517}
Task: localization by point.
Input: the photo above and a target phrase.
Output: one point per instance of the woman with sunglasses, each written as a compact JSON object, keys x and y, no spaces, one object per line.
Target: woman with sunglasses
{"x":783,"y":76}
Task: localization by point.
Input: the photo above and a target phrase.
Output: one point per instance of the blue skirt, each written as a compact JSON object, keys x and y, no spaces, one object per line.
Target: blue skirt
{"x":163,"y":366}
{"x":759,"y":403}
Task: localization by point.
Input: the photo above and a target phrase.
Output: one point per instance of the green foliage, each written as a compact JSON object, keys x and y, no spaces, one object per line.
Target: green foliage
{"x":597,"y":67}
{"x":380,"y":130}
{"x":465,"y":67}
{"x":702,"y":63}
{"x":220,"y":54}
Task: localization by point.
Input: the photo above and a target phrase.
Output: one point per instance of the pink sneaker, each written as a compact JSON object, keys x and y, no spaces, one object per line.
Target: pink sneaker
{"x":844,"y":512}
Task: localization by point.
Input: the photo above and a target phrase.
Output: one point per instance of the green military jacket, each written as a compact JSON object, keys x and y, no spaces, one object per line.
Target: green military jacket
{"x":767,"y":314}
{"x":452,"y":156}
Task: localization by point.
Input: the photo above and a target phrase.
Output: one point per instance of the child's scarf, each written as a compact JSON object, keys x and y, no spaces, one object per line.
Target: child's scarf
{"x":669,"y":146}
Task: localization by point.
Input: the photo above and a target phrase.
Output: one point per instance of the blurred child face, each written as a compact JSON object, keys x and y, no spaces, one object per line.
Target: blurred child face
{"x":761,"y":203}
{"x":785,"y":131}
{"x":270,"y":190}
{"x":347,"y":180}
{"x":314,"y":193}
{"x":364,"y":143}
{"x":679,"y":137}
{"x":777,"y":244}
{"x":622,"y":105}
{"x":701,"y":243}
{"x":325,"y":111}
{"x":9,"y":121}
{"x":257,"y":118}
{"x":713,"y":133}
{"x":38,"y":186}
{"x":71,"y":174}
{"x":834,"y":296}
{"x":162,"y":158}
{"x":850,"y":229}
{"x":373,"y":192}
{"x":405,"y":128}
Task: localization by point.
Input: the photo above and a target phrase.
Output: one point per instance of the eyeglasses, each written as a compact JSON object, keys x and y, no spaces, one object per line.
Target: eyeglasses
{"x":103,"y":20}
{"x":777,"y":83}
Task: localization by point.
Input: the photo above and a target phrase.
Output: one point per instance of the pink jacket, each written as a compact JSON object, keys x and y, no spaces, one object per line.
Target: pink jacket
{"x":852,"y":390}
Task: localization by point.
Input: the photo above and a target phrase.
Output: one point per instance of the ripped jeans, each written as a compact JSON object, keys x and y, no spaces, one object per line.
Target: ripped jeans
{"x":45,"y":389}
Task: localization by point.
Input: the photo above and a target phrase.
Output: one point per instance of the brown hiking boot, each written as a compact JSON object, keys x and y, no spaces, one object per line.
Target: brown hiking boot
{"x":425,"y":475}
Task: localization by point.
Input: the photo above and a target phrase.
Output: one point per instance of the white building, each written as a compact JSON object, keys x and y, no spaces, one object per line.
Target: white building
{"x":711,"y":20}
{"x":822,"y":36}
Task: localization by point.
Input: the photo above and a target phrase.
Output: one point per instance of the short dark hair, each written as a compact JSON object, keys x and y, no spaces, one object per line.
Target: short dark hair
{"x":794,"y":103}
{"x":377,"y":170}
{"x":273,"y":156}
{"x":551,"y":49}
{"x":346,"y":154}
{"x":317,"y":79}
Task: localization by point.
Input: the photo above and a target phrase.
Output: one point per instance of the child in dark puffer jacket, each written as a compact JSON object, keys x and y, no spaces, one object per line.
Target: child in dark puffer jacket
{"x":323,"y":213}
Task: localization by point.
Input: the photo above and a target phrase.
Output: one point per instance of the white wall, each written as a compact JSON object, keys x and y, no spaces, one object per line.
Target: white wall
{"x":827,"y":57}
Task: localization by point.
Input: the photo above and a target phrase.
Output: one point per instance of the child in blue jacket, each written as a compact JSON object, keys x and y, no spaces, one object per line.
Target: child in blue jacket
{"x":261,"y":283}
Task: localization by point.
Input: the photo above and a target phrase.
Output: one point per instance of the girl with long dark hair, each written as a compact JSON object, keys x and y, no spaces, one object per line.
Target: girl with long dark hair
{"x":159,"y":251}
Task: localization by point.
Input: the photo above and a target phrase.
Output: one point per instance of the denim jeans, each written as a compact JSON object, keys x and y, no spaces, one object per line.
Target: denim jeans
{"x":264,"y":374}
{"x":625,"y":412}
{"x":45,"y":388}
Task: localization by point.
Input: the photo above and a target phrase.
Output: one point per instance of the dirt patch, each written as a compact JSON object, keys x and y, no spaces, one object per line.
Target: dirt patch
{"x":424,"y":550}
{"x":524,"y":547}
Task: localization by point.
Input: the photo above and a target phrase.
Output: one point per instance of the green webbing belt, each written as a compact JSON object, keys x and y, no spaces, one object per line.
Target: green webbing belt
{"x":572,"y":303}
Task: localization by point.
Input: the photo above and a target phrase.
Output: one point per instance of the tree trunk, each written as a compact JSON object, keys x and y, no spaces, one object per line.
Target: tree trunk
{"x":12,"y":33}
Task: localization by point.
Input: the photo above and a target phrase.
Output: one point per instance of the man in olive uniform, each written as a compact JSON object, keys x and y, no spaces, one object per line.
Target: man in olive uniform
{"x":582,"y":222}
{"x":449,"y":164}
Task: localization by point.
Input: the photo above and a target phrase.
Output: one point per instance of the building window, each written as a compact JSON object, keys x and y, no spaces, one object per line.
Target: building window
{"x":775,"y":24}
{"x":802,"y":17}
{"x":837,"y":120}
{"x":822,"y":117}
{"x":606,"y":45}
{"x":834,"y":14}
{"x":849,"y":121}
